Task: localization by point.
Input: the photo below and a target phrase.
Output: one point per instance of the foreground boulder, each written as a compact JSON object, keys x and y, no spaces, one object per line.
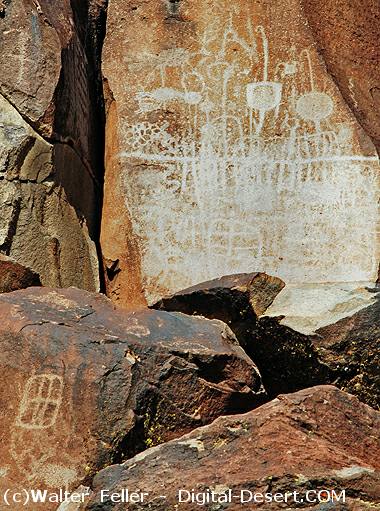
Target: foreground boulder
{"x":84,"y":385}
{"x":316,"y":439}
{"x":14,"y":276}
{"x":298,"y":335}
{"x":341,"y":323}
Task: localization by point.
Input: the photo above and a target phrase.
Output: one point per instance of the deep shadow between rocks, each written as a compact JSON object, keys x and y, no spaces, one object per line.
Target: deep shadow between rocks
{"x":345,"y":353}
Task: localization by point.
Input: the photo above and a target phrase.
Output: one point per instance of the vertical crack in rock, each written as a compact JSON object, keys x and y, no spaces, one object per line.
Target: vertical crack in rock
{"x":52,"y":138}
{"x":81,"y":113}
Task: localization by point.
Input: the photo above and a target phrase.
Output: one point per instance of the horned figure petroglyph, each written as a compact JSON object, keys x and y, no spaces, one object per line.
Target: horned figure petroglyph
{"x":257,"y":153}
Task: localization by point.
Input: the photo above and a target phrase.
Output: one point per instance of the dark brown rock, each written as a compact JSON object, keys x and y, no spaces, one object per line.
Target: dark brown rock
{"x":287,"y":360}
{"x":84,"y":385}
{"x":316,"y":439}
{"x":14,"y":276}
{"x":51,"y":138}
{"x":232,"y":295}
{"x":302,"y":336}
{"x":341,"y":323}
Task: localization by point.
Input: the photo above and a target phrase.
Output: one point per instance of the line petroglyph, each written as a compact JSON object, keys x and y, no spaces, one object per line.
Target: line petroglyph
{"x":40,"y":402}
{"x":261,"y":163}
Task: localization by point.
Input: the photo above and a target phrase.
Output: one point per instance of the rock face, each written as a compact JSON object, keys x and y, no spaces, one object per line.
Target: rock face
{"x":14,"y":276}
{"x":51,"y":138}
{"x":229,"y":148}
{"x":351,"y":53}
{"x":298,"y":335}
{"x":301,"y":442}
{"x":84,"y":385}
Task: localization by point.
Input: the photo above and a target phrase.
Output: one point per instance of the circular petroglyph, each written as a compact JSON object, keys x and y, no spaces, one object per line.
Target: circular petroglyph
{"x":192,"y":98}
{"x":264,"y":95}
{"x":314,"y":106}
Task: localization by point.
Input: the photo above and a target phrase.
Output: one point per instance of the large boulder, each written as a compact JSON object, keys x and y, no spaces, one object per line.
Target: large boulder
{"x":229,"y":148}
{"x":51,"y":138}
{"x":298,"y":335}
{"x":14,"y":276}
{"x":84,"y":385}
{"x":314,"y":442}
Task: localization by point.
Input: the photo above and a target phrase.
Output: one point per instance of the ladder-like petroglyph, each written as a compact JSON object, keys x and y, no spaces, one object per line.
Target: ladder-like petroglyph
{"x":40,"y":402}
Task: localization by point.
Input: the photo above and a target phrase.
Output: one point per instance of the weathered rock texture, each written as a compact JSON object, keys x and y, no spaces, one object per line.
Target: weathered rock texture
{"x":84,"y":385}
{"x":230,"y":149}
{"x":51,"y":138}
{"x":342,"y":325}
{"x":14,"y":276}
{"x":316,"y":439}
{"x":298,"y":335}
{"x":347,"y":35}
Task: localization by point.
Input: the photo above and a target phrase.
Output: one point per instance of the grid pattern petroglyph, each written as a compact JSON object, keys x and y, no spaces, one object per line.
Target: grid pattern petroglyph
{"x":40,"y":402}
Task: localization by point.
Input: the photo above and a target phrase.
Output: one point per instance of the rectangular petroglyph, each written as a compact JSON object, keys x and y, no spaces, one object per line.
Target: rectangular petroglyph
{"x":40,"y":402}
{"x":240,"y":155}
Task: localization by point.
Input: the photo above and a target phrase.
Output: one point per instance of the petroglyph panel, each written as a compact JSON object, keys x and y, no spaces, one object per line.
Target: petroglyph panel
{"x":238,"y":153}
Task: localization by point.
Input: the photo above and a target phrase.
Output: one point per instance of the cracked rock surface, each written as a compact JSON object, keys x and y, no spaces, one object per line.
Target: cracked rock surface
{"x":298,"y":335}
{"x":51,"y":138}
{"x":319,"y":438}
{"x":87,"y":385}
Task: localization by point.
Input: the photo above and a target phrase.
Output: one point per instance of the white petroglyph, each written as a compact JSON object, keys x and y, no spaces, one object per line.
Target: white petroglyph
{"x":56,"y":299}
{"x":136,"y":328}
{"x":3,"y":471}
{"x":155,"y":99}
{"x":263,"y":172}
{"x":34,"y":444}
{"x":57,"y":476}
{"x":40,"y":402}
{"x":314,"y":106}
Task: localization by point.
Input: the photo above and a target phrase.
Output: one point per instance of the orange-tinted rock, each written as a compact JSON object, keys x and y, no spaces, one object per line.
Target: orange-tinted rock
{"x":84,"y":385}
{"x":347,"y":35}
{"x":316,"y":439}
{"x":14,"y":276}
{"x":51,"y":147}
{"x":229,"y":149}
